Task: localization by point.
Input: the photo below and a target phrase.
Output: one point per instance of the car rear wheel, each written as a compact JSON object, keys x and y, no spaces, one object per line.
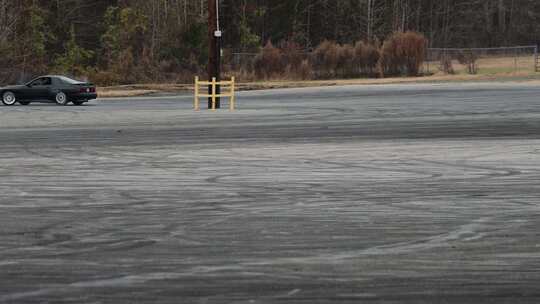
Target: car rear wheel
{"x":61,"y":98}
{"x":24,"y":102}
{"x":78,"y":102}
{"x":8,"y":98}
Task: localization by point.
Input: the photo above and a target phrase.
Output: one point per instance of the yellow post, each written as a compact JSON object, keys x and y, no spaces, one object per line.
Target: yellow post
{"x":213,"y":93}
{"x":196,"y":101}
{"x":231,"y":103}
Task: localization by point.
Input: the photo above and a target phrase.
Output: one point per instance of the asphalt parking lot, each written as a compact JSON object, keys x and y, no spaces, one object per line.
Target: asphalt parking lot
{"x":360,"y":194}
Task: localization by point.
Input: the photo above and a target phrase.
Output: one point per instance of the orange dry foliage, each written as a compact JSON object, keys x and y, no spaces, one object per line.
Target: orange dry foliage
{"x":403,"y":54}
{"x":346,"y":58}
{"x":325,"y":58}
{"x":269,"y":63}
{"x":366,"y":57}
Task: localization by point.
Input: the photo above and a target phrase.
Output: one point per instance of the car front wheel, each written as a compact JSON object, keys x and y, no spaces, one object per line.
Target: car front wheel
{"x":61,"y":98}
{"x":8,"y":98}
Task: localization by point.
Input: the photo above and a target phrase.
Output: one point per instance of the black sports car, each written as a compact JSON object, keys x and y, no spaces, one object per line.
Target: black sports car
{"x":59,"y":89}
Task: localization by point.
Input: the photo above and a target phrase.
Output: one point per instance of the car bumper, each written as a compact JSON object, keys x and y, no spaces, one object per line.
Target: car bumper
{"x":85,"y":96}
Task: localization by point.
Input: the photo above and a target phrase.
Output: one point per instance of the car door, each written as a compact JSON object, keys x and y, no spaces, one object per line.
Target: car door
{"x":31,"y":88}
{"x":34,"y":89}
{"x":42,"y":91}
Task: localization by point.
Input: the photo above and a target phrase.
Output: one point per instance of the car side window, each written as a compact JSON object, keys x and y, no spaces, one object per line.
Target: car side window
{"x":37,"y":82}
{"x":45,"y":81}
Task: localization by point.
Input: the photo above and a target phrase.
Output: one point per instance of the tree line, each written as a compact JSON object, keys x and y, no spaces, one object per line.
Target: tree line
{"x":128,"y":41}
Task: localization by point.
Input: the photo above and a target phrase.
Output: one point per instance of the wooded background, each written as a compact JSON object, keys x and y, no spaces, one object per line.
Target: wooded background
{"x":128,"y":41}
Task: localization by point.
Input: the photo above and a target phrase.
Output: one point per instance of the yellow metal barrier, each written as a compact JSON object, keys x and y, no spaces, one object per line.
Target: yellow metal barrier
{"x":214,"y":96}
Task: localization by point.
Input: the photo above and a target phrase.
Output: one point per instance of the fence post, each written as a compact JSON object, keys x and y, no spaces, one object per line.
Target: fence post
{"x":515,"y":61}
{"x":213,"y":93}
{"x":231,"y":103}
{"x":428,"y":58}
{"x":536,"y":58}
{"x":196,"y":101}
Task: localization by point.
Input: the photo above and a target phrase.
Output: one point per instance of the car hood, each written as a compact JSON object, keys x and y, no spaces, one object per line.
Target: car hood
{"x":14,"y":87}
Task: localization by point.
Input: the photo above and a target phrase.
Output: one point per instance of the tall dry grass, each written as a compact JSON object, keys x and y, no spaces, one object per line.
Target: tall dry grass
{"x":469,"y":59}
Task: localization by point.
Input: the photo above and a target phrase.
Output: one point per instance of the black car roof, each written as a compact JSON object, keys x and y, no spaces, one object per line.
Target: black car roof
{"x":60,"y":77}
{"x":54,"y":76}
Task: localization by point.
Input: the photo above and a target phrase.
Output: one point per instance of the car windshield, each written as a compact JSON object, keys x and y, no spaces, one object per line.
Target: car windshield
{"x":69,"y":80}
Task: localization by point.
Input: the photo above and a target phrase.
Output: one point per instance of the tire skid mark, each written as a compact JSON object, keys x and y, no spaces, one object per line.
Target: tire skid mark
{"x":464,"y":233}
{"x":121,"y":281}
{"x":505,"y":172}
{"x":344,"y":165}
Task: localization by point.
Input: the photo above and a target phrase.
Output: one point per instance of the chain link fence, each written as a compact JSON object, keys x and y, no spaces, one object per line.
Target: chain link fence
{"x":500,"y":60}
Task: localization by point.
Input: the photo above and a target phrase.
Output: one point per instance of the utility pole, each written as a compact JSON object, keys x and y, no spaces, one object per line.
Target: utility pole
{"x":214,"y":48}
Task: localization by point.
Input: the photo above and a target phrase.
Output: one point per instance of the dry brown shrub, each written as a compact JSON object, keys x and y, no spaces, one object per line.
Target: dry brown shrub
{"x":414,"y":49}
{"x":269,"y":62}
{"x":292,"y":54}
{"x":366,"y":58}
{"x":403,"y":54}
{"x":372,"y":56}
{"x":389,"y":62}
{"x":325,"y":58}
{"x":297,"y":67}
{"x":345,"y":61}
